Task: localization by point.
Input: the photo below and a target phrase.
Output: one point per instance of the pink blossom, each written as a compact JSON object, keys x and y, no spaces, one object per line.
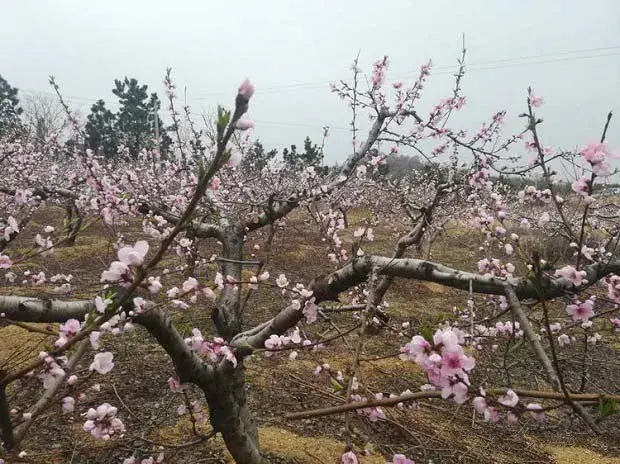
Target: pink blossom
{"x":572,"y":275}
{"x":101,"y":304}
{"x":154,"y":285}
{"x":102,"y":422}
{"x":581,"y":311}
{"x":581,"y":185}
{"x":179,"y":304}
{"x":613,"y":288}
{"x":72,"y":379}
{"x":207,"y":292}
{"x":215,"y":184}
{"x":480,"y":404}
{"x":190,"y":284}
{"x":246,"y":89}
{"x":349,"y":458}
{"x":458,"y":391}
{"x":175,"y":385}
{"x":51,"y":370}
{"x":510,"y":399}
{"x":244,"y":124}
{"x":401,"y":459}
{"x":416,"y":350}
{"x":544,"y":219}
{"x":563,"y":340}
{"x":310,"y":311}
{"x":140,"y":304}
{"x":596,"y":154}
{"x":94,"y":339}
{"x":536,"y":410}
{"x":67,"y":331}
{"x":219,"y":280}
{"x":378,"y":74}
{"x":117,"y":271}
{"x":5,"y":262}
{"x":454,"y":362}
{"x":68,"y":404}
{"x":448,"y":338}
{"x":535,"y":101}
{"x":134,"y":256}
{"x":102,"y":363}
{"x":282,"y":281}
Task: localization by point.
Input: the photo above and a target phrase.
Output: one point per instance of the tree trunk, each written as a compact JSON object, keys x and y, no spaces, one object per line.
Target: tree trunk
{"x":6,"y":429}
{"x":73,"y":224}
{"x":231,"y":416}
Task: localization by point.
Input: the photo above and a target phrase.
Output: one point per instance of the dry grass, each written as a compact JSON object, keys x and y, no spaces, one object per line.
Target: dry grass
{"x":438,"y":430}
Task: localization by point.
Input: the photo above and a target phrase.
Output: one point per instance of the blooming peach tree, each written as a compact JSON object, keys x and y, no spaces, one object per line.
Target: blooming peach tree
{"x":197,"y":194}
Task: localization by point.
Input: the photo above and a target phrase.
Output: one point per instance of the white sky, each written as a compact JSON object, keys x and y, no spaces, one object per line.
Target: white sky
{"x":291,"y":50}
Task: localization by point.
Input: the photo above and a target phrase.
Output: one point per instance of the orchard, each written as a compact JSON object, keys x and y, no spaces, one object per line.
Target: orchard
{"x":227,"y":300}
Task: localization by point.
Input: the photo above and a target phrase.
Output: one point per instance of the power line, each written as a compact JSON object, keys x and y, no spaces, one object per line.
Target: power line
{"x":438,"y":70}
{"x":444,"y":69}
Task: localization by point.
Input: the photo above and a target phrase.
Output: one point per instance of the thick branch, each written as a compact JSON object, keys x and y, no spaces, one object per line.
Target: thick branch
{"x":189,"y":367}
{"x":25,"y":309}
{"x":329,"y":287}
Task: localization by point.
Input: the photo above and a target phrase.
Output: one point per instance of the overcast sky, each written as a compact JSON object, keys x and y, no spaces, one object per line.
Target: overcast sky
{"x":292,"y":49}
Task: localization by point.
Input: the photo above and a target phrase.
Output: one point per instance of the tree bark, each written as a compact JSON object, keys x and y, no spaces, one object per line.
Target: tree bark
{"x":231,"y":416}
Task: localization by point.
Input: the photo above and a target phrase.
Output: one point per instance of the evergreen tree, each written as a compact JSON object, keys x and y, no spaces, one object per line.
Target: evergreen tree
{"x":311,"y":156}
{"x":135,"y":119}
{"x":101,"y":130}
{"x":10,"y":111}
{"x":256,"y":158}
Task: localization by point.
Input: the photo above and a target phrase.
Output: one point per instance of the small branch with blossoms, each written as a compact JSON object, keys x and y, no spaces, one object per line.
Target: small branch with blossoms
{"x":395,"y":400}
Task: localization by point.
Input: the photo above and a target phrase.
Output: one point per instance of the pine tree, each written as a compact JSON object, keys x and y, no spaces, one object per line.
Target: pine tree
{"x":10,"y":111}
{"x":136,"y":117}
{"x":256,"y":158}
{"x":101,"y":130}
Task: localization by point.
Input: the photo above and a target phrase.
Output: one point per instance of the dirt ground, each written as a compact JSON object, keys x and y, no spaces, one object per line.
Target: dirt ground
{"x":437,"y":431}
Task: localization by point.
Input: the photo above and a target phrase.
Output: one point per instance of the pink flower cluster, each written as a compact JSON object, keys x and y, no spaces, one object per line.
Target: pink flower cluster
{"x":51,"y":369}
{"x":102,"y":422}
{"x":68,"y":330}
{"x":581,"y":312}
{"x":534,"y":195}
{"x":349,"y":457}
{"x":597,"y":154}
{"x":480,"y":179}
{"x":149,"y":460}
{"x":581,"y":186}
{"x":378,"y":72}
{"x":215,"y":350}
{"x":613,"y":288}
{"x":128,"y":256}
{"x":277,"y":342}
{"x":491,"y":408}
{"x":494,"y":267}
{"x":444,"y":361}
{"x":571,"y":274}
{"x":500,"y":328}
{"x":102,"y":363}
{"x":373,"y":413}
